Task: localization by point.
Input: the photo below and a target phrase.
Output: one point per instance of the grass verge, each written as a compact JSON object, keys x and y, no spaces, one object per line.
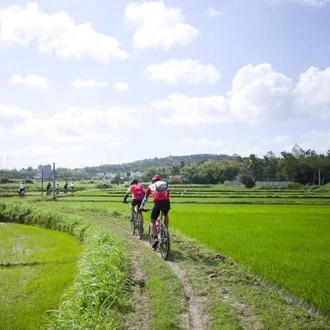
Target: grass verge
{"x":99,"y":293}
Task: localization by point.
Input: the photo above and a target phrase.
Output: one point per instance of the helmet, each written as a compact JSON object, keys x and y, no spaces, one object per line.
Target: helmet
{"x":134,"y":181}
{"x":155,"y":178}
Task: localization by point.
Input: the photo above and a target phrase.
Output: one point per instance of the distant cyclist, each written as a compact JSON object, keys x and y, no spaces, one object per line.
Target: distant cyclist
{"x":161,"y":198}
{"x":49,"y":188}
{"x":22,"y":189}
{"x":57,"y":188}
{"x":137,"y":191}
{"x":72,"y":187}
{"x":66,"y":187}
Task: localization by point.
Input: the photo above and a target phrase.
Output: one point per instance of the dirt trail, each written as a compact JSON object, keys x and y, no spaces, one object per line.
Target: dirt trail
{"x":194,"y":318}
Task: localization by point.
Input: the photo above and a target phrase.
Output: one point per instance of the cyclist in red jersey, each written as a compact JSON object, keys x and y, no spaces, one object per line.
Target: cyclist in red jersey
{"x":137,"y":191}
{"x":161,"y":198}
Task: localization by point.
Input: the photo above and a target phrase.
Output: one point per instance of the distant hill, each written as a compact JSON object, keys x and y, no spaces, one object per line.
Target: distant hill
{"x":141,"y":165}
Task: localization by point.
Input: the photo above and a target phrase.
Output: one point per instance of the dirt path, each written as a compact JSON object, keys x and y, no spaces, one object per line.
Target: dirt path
{"x":194,"y":319}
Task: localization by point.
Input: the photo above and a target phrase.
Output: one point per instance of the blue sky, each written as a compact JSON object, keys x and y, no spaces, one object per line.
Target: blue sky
{"x":92,"y":82}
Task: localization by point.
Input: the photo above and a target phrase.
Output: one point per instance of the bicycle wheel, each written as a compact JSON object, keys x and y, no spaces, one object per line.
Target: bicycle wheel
{"x":139,"y":226}
{"x":150,"y":238}
{"x":164,"y":244}
{"x":132,"y":224}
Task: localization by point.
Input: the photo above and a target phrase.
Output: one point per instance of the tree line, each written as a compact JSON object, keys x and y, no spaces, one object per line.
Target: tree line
{"x":301,"y":166}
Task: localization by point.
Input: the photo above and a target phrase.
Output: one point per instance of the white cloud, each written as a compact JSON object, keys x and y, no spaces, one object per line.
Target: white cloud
{"x":203,"y":143}
{"x":315,"y":140}
{"x":279,"y":139}
{"x":313,"y":92}
{"x":220,"y":146}
{"x":314,"y":3}
{"x":213,"y":13}
{"x":159,"y":26}
{"x":32,"y":80}
{"x":11,"y":116}
{"x":261,"y":94}
{"x":76,"y":121}
{"x":78,"y":83}
{"x":181,"y":109}
{"x":188,"y":71}
{"x":56,"y":34}
{"x":120,"y":86}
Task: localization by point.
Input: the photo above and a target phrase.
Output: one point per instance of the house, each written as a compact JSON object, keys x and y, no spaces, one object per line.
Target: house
{"x":44,"y":173}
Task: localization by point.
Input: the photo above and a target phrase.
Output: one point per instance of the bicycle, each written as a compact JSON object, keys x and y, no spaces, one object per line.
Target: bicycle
{"x":21,"y":193}
{"x":136,"y":224}
{"x":163,"y":236}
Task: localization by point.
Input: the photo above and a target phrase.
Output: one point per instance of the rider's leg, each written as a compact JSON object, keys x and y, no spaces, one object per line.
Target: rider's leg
{"x":153,"y":228}
{"x":132,"y":209}
{"x":154,"y":216}
{"x":166,"y":220}
{"x":140,"y":212}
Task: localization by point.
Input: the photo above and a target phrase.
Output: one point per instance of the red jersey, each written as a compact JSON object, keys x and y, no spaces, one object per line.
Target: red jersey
{"x":137,"y":191}
{"x":157,"y":195}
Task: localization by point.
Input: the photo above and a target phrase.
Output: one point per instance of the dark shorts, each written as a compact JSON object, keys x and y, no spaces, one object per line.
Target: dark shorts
{"x":136,"y":202}
{"x":165,"y":206}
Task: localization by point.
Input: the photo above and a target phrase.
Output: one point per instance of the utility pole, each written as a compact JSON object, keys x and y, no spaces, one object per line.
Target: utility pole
{"x":42,"y":180}
{"x":54,"y":197}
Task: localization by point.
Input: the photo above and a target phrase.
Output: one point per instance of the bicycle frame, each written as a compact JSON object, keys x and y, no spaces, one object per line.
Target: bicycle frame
{"x":136,"y":225}
{"x":163,"y":236}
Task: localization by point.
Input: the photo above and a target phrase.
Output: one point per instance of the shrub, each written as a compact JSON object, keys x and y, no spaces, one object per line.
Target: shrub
{"x":295,"y":186}
{"x":248,"y":181}
{"x":5,"y":180}
{"x":104,"y":185}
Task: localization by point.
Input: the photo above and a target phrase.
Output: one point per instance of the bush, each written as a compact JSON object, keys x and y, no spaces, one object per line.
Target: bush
{"x":248,"y":181}
{"x":5,"y":180}
{"x":104,"y":185}
{"x":296,"y":186}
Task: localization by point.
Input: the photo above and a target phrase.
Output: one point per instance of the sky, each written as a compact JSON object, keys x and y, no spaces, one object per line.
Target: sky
{"x":92,"y":82}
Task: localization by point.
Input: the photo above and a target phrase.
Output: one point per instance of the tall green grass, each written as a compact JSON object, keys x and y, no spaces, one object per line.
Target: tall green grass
{"x":287,"y":245}
{"x":99,"y":292}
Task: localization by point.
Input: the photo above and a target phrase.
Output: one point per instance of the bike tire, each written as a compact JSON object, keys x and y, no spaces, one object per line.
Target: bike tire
{"x":132,"y":225}
{"x":139,"y":226}
{"x":164,"y":245}
{"x":150,"y":238}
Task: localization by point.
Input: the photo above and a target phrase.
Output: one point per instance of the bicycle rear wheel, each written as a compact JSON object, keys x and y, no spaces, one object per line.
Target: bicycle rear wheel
{"x":150,"y":238}
{"x":139,"y":226}
{"x":164,"y":245}
{"x":132,"y":224}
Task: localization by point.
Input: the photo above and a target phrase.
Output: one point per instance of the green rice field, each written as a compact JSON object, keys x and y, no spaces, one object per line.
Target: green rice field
{"x":37,"y":265}
{"x":280,"y":236}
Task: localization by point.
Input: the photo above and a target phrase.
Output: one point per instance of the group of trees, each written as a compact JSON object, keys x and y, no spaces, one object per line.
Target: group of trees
{"x":305,"y":167}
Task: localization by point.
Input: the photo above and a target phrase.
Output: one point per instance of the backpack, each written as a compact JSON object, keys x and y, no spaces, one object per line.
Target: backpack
{"x":161,"y":185}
